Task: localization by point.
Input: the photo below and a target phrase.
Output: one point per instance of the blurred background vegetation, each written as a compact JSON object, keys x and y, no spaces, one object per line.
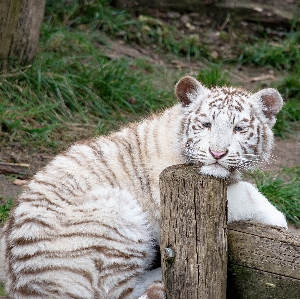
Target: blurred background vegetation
{"x":76,"y":88}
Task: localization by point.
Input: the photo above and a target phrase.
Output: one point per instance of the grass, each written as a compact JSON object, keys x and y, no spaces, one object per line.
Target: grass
{"x":213,"y":76}
{"x":288,"y":119}
{"x":290,"y":85}
{"x":5,"y":209}
{"x":143,"y":30}
{"x":72,"y":81}
{"x":282,"y":54}
{"x":2,"y":291}
{"x":283,"y":190}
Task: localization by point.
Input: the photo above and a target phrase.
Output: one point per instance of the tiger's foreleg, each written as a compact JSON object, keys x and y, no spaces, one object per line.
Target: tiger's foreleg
{"x":245,"y":202}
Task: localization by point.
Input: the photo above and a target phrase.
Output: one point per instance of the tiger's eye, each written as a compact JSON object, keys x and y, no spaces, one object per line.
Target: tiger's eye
{"x":238,"y":129}
{"x":207,"y":125}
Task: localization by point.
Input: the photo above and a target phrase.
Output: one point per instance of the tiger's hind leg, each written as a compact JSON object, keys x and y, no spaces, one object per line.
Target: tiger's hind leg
{"x":155,"y":291}
{"x":97,"y":249}
{"x":128,"y":245}
{"x":150,"y":285}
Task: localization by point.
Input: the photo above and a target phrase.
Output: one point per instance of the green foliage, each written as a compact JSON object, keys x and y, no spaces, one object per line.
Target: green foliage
{"x":72,"y":81}
{"x":144,"y":30}
{"x":2,"y":290}
{"x":282,"y":54}
{"x":5,"y":209}
{"x":283,"y":190}
{"x":289,"y":86}
{"x":213,"y":76}
{"x":288,"y":119}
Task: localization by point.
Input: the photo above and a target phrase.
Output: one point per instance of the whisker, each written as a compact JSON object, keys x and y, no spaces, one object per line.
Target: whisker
{"x":250,"y":155}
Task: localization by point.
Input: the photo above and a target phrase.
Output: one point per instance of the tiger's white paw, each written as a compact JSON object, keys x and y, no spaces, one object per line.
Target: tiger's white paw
{"x":245,"y":202}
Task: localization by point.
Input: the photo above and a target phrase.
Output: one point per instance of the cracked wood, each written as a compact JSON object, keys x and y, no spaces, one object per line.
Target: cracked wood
{"x":193,"y":224}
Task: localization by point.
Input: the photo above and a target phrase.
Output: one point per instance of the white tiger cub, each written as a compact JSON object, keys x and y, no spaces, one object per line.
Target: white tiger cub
{"x":87,"y":224}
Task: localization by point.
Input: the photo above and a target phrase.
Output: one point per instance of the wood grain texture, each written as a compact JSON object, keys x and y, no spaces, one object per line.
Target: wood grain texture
{"x":248,"y":283}
{"x":20,"y":25}
{"x":14,"y":168}
{"x":264,"y":262}
{"x":193,"y":223}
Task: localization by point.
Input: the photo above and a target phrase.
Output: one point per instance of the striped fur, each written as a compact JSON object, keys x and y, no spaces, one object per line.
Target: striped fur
{"x":88,"y":223}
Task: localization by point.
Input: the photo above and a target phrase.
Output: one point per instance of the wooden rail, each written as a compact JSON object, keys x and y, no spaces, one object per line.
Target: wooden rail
{"x":264,"y":262}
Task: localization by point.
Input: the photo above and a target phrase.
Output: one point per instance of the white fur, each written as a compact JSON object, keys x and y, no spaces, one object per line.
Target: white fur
{"x":245,"y":202}
{"x":145,"y":281}
{"x":88,"y":222}
{"x":2,"y":258}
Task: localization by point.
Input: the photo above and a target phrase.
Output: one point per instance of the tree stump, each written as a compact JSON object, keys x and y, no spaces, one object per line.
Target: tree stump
{"x":193,"y":228}
{"x":20,"y":25}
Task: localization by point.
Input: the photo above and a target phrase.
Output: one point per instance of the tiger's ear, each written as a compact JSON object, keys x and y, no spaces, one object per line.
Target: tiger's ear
{"x":187,"y":89}
{"x":271,"y":103}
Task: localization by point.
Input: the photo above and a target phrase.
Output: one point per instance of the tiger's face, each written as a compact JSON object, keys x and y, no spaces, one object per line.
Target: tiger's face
{"x":226,"y":129}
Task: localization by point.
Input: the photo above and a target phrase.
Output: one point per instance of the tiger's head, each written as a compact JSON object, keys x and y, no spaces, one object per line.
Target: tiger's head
{"x":226,"y":130}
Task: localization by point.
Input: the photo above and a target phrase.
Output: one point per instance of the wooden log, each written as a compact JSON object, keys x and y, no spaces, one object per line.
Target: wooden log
{"x":14,"y":168}
{"x":193,"y":226}
{"x":263,"y":262}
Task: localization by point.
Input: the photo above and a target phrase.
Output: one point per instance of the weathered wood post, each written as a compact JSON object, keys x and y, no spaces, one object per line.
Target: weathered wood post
{"x":193,"y":226}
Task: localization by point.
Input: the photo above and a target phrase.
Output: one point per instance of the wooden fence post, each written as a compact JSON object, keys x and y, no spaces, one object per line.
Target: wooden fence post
{"x":193,"y":228}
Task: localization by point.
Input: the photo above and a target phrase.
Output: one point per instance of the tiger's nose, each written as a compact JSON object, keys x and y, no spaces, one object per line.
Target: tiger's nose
{"x":218,"y":155}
